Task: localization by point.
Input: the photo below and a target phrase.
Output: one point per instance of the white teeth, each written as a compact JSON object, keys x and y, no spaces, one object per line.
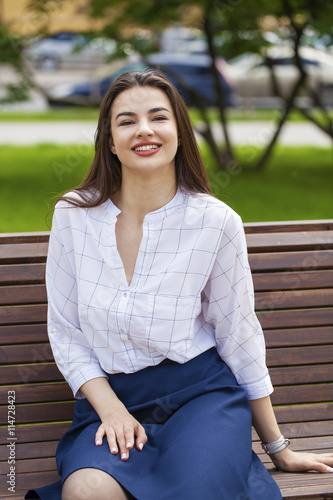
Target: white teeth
{"x":146,"y":148}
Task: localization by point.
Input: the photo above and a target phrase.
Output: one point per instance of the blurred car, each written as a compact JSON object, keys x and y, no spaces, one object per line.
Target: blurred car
{"x":180,"y":39}
{"x":67,"y":48}
{"x":251,"y":77}
{"x":183,"y":70}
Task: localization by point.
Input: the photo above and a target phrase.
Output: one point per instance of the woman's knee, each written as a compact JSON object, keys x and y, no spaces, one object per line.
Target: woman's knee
{"x":92,"y":484}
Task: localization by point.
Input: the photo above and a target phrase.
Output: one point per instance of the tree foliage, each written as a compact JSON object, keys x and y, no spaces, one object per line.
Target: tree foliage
{"x":11,"y":48}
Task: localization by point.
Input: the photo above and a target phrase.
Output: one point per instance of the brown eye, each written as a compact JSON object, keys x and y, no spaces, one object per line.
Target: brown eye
{"x":125,"y":123}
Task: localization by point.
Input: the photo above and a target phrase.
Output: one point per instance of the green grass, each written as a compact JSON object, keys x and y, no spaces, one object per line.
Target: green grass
{"x":82,"y":113}
{"x":31,"y":179}
{"x":53,"y":114}
{"x":297,"y":184}
{"x":274,"y":115}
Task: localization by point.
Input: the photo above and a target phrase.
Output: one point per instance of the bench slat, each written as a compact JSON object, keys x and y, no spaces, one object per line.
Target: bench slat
{"x":14,"y":252}
{"x":293,"y":280}
{"x":37,"y":432}
{"x":285,"y":226}
{"x":299,"y":336}
{"x":304,"y":413}
{"x":27,"y":465}
{"x":25,"y":353}
{"x":35,"y":393}
{"x":23,"y":314}
{"x":303,"y":429}
{"x":48,"y":412}
{"x":25,"y":450}
{"x":296,"y":318}
{"x":25,"y":373}
{"x":276,"y":261}
{"x":22,"y":273}
{"x":300,"y":355}
{"x":291,"y":375}
{"x":29,"y":294}
{"x":289,"y":299}
{"x":299,"y":240}
{"x":302,"y":394}
{"x":319,"y":486}
{"x":43,"y":236}
{"x":14,"y":334}
{"x":26,"y":481}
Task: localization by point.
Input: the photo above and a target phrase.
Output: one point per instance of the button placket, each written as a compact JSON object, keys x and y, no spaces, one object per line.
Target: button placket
{"x":121,"y":313}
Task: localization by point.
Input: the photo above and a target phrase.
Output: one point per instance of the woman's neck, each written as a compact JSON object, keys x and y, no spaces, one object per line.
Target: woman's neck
{"x":137,"y":199}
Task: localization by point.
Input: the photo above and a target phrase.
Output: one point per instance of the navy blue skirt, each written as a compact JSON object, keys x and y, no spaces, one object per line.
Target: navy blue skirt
{"x":198,"y":422}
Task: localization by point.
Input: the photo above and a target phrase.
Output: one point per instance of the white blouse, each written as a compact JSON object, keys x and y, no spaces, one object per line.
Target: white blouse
{"x":191,"y":290}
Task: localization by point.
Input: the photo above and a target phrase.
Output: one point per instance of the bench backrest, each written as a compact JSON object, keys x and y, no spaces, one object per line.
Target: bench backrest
{"x":292,"y":265}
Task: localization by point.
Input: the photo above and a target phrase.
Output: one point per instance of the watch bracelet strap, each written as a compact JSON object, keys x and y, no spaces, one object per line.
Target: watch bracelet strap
{"x":275,"y":446}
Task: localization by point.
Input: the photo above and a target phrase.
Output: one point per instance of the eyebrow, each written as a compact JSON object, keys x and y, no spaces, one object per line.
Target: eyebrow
{"x":150,"y":111}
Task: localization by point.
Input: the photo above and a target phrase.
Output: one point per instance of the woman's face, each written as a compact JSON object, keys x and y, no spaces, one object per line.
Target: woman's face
{"x":144,"y":131}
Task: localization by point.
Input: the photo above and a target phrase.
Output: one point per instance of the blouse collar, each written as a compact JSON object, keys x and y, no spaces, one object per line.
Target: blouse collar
{"x":158,"y":214}
{"x":166,"y":210}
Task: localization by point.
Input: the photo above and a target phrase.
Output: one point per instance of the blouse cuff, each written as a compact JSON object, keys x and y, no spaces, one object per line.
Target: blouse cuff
{"x":83,"y":375}
{"x":259,"y":389}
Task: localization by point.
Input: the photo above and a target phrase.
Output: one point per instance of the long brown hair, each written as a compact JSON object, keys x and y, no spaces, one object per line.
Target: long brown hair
{"x":104,"y":176}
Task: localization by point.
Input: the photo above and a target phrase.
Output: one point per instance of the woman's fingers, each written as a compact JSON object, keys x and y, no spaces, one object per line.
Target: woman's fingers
{"x":99,"y":435}
{"x":322,"y":462}
{"x":122,"y":435}
{"x":302,"y":461}
{"x":109,"y":432}
{"x":141,"y":437}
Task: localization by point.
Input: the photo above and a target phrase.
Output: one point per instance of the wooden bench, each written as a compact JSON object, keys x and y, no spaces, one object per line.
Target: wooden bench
{"x":292,"y":266}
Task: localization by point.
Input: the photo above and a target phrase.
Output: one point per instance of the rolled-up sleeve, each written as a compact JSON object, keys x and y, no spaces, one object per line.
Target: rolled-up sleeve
{"x":74,"y":357}
{"x":228,"y":305}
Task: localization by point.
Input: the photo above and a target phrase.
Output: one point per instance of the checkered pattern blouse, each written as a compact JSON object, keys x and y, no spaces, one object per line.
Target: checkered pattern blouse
{"x":191,"y":290}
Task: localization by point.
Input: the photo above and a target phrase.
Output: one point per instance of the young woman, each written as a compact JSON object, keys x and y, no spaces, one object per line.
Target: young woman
{"x":151,"y":320}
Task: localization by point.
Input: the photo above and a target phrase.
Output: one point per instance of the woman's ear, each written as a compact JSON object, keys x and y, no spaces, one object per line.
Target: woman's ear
{"x":112,"y":147}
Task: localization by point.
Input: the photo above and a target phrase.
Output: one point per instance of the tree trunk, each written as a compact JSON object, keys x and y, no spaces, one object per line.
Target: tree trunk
{"x":321,"y":105}
{"x":289,"y":106}
{"x":291,"y":100}
{"x":328,"y":130}
{"x":220,"y":95}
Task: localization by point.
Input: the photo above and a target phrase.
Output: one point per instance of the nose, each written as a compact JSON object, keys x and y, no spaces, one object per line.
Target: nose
{"x":144,"y":129}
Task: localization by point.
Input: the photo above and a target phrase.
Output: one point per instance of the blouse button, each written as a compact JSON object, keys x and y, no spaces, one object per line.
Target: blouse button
{"x":122,"y":331}
{"x":125,"y":294}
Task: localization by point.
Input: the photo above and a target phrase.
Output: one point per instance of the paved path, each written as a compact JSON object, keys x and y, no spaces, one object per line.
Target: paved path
{"x":78,"y":132}
{"x":73,"y":132}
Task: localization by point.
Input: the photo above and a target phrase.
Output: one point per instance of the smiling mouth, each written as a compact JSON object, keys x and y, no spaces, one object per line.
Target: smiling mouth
{"x":147,"y":148}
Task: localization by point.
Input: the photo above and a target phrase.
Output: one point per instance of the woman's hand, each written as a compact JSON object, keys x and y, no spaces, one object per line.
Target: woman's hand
{"x":122,"y":432}
{"x":121,"y":429}
{"x":292,"y":461}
